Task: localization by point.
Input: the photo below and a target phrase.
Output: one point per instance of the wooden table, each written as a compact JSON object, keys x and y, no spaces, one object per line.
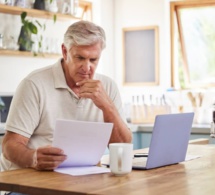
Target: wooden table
{"x":191,"y":177}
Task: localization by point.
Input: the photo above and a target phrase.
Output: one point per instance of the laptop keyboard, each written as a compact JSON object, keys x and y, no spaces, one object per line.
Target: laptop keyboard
{"x":139,"y":161}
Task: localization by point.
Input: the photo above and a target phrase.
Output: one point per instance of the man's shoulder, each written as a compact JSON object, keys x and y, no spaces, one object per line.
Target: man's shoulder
{"x":39,"y":77}
{"x":44,"y":72}
{"x":39,"y":72}
{"x":42,"y":75}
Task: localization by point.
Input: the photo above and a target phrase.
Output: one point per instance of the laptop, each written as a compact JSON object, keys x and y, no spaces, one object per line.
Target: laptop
{"x":169,"y":141}
{"x":83,"y":142}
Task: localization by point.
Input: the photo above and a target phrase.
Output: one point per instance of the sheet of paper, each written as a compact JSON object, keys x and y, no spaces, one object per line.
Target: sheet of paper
{"x":191,"y":157}
{"x":77,"y":171}
{"x":83,"y":142}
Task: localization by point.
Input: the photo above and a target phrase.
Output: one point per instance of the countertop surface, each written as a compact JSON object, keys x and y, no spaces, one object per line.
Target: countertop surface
{"x":196,"y":128}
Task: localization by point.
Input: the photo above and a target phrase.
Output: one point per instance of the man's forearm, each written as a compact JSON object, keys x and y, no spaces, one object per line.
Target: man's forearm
{"x":120,"y":133}
{"x":18,"y":153}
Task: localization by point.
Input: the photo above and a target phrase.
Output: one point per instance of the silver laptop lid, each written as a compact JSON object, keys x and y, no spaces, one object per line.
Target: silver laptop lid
{"x":170,"y":137}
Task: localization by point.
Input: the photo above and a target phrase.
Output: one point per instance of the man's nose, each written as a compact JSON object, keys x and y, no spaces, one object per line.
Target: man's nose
{"x":86,"y":66}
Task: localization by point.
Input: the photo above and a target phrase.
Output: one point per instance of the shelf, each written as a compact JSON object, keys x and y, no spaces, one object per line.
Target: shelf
{"x":5,"y":52}
{"x":14,"y":10}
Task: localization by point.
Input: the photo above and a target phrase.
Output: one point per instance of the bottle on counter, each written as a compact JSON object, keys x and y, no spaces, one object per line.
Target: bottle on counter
{"x":1,"y":41}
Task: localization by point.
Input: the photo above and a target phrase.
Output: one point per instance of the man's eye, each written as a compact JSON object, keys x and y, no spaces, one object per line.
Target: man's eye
{"x":93,"y":60}
{"x":80,"y":58}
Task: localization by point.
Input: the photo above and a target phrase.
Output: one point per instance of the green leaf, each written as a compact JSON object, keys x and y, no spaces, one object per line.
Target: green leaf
{"x":44,"y":27}
{"x":32,"y":28}
{"x":55,"y":18}
{"x":39,"y":23}
{"x":40,"y":44}
{"x":23,"y":16}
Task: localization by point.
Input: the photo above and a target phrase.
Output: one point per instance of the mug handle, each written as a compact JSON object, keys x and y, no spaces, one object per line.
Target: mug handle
{"x":120,"y":153}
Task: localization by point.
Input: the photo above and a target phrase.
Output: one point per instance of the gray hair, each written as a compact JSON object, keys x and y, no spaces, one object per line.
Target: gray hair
{"x":84,"y":33}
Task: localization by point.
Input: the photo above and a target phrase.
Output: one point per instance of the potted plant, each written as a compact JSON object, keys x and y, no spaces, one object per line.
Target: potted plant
{"x":28,"y":27}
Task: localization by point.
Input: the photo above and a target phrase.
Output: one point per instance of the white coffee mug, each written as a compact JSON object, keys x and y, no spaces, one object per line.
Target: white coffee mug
{"x":121,"y":155}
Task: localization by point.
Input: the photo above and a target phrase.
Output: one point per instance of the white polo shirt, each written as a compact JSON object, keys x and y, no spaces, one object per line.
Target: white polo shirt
{"x":44,"y":96}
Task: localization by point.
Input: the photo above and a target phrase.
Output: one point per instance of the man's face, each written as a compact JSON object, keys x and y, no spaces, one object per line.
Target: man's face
{"x":80,"y":62}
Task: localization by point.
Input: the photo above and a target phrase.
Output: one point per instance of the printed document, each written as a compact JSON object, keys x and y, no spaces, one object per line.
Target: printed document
{"x":83,"y":142}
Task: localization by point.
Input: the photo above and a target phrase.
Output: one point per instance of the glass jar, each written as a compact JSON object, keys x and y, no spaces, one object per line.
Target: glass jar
{"x":1,"y":41}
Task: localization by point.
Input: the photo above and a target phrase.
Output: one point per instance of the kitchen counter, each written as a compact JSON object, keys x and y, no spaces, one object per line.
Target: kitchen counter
{"x":142,"y":134}
{"x":196,"y":128}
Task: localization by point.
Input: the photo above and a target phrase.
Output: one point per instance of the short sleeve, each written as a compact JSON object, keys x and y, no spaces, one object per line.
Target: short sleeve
{"x":24,"y":112}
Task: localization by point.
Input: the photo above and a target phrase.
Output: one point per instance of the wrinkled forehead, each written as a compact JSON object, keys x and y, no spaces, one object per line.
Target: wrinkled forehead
{"x":92,"y":51}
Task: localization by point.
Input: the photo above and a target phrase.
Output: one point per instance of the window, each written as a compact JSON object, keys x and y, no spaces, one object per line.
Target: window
{"x":193,"y":44}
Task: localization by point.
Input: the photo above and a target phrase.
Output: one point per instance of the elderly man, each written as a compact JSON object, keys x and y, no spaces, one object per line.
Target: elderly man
{"x":69,"y":89}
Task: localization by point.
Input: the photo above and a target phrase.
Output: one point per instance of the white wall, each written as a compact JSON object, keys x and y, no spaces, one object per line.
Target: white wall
{"x":103,"y":14}
{"x":140,"y":13}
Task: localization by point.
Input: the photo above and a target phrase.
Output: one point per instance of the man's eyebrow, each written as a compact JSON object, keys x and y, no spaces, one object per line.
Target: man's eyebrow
{"x":78,"y":55}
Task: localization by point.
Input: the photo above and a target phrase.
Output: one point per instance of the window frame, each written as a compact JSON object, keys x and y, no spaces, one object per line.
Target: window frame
{"x":174,"y":20}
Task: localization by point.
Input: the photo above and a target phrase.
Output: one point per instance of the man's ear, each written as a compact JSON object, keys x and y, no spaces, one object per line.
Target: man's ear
{"x":64,"y":52}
